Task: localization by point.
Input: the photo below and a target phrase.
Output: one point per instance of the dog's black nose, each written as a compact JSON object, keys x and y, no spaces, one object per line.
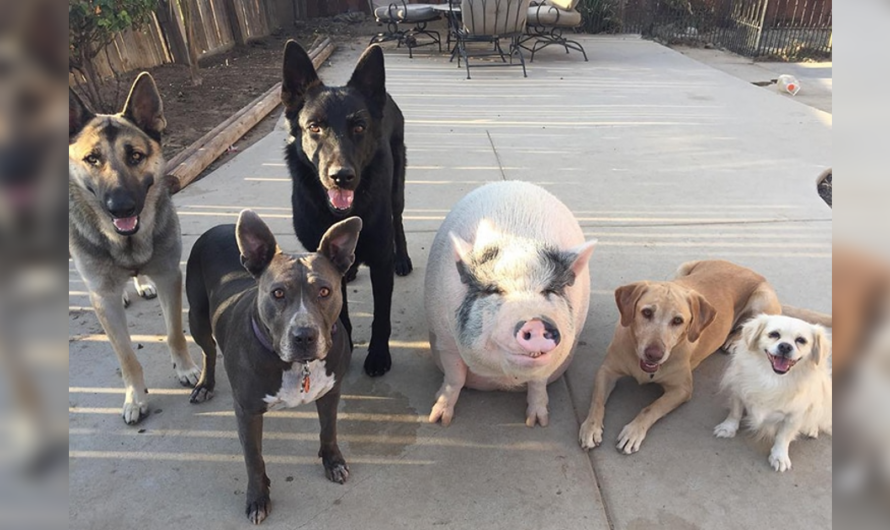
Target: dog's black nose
{"x":120,"y":204}
{"x":342,"y":175}
{"x":785,"y":348}
{"x":305,"y":337}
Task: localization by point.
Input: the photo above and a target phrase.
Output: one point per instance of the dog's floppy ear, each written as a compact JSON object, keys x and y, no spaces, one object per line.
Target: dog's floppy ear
{"x":255,"y":242}
{"x":369,"y":78}
{"x":338,"y":243}
{"x":144,"y":107}
{"x":703,"y":314}
{"x":626,"y":298}
{"x":78,"y":114}
{"x":752,"y":330}
{"x":298,"y":76}
{"x":821,"y":344}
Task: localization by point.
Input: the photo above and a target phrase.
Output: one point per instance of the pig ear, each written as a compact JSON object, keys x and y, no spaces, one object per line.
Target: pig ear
{"x":463,"y":254}
{"x":582,"y":255}
{"x":626,"y":298}
{"x":338,"y":243}
{"x":486,"y":234}
{"x":703,"y":314}
{"x":752,"y":330}
{"x":821,"y":344}
{"x":255,"y":242}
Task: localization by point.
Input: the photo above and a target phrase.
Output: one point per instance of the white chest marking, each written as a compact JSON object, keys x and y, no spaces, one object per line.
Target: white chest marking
{"x":292,"y":392}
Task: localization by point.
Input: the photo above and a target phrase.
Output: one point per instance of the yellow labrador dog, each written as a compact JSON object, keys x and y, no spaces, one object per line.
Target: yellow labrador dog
{"x":666,"y":329}
{"x":778,"y":377}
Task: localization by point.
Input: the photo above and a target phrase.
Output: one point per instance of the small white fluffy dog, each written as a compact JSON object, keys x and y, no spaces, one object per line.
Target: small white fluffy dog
{"x":778,"y":377}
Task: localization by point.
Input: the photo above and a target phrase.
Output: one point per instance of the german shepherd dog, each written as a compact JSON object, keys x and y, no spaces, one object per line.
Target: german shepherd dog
{"x":346,"y":156}
{"x":121,"y":225}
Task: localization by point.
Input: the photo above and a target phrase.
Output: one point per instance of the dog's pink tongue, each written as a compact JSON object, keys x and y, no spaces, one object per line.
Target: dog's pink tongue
{"x":341,"y":199}
{"x":126,"y":224}
{"x":780,"y":364}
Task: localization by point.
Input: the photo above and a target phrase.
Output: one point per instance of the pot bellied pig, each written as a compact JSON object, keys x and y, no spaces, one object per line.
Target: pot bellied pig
{"x":507,"y":290}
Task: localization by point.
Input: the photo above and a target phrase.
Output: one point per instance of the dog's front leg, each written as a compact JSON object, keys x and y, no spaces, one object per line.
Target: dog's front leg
{"x":633,"y":434}
{"x":335,"y":467}
{"x":778,"y":455}
{"x":111,"y":314}
{"x":730,"y":425}
{"x":250,"y":432}
{"x":591,"y":434}
{"x":379,"y":361}
{"x":170,"y":295}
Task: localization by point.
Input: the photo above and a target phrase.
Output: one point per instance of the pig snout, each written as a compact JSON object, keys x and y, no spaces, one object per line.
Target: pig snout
{"x":537,"y":336}
{"x":654,"y":353}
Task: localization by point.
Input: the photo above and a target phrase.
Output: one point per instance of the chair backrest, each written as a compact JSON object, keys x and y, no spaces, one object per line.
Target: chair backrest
{"x":494,"y":17}
{"x":568,"y":5}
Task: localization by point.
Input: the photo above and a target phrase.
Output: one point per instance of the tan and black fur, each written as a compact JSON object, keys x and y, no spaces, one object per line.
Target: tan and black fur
{"x":115,"y":172}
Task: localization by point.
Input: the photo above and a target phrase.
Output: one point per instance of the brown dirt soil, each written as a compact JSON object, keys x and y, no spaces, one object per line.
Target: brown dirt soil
{"x":231,"y":80}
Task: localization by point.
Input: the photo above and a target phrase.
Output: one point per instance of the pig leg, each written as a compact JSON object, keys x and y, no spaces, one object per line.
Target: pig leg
{"x":592,"y":429}
{"x":633,"y":434}
{"x":455,"y":378}
{"x":537,"y":403}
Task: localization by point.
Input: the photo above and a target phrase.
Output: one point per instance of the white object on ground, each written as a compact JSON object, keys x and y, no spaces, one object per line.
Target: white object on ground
{"x":788,"y":83}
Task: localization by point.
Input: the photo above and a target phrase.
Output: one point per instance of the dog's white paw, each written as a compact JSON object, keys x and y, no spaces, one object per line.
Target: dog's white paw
{"x":442,"y":411}
{"x":727,"y":429}
{"x":145,"y":289}
{"x":188,"y":374}
{"x":780,"y":460}
{"x":590,"y":436}
{"x":134,"y":411}
{"x":631,"y":438}
{"x":537,"y":415}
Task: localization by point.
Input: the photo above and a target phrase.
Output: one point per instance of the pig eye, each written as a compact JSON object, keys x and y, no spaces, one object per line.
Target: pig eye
{"x":324,"y":292}
{"x":800,"y":340}
{"x":774,"y":335}
{"x":314,"y":128}
{"x":677,"y":321}
{"x":278,"y":294}
{"x":647,"y":312}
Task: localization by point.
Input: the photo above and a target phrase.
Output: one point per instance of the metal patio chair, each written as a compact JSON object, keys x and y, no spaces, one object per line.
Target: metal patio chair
{"x":547,"y":20}
{"x":491,"y":21}
{"x":404,"y":22}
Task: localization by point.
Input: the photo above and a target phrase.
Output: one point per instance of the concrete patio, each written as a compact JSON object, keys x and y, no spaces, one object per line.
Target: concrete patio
{"x":661,"y":158}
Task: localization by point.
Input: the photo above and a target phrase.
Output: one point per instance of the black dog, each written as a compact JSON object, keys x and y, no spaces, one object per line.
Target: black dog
{"x":346,"y":155}
{"x":275,"y":317}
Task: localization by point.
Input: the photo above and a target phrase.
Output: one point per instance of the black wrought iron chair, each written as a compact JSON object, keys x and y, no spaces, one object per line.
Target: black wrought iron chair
{"x":404,"y":23}
{"x":490,"y":21}
{"x":547,"y":22}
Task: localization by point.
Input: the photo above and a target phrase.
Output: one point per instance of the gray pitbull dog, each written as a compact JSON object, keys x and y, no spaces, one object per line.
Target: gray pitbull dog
{"x":275,"y":316}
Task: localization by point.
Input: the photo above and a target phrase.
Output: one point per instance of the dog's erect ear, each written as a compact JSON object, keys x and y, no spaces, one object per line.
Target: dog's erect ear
{"x":821,"y":345}
{"x":338,"y":243}
{"x":752,"y":330}
{"x":626,"y":298}
{"x":703,"y":314}
{"x":144,"y":107}
{"x":255,"y":242}
{"x":369,"y":78}
{"x":298,"y":76}
{"x":78,"y":114}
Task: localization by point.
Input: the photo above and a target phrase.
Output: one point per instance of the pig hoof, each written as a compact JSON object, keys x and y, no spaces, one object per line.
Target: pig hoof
{"x":258,"y":510}
{"x":591,"y":436}
{"x":377,"y":363}
{"x":201,"y":394}
{"x":534,"y":416}
{"x":337,"y":472}
{"x":442,"y":411}
{"x":404,"y":266}
{"x":630,"y":438}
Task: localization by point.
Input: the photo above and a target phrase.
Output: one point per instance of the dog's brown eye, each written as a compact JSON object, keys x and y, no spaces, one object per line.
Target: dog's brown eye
{"x":647,"y":312}
{"x":800,"y":340}
{"x":278,"y":294}
{"x":136,"y":158}
{"x":358,"y":129}
{"x":92,"y":160}
{"x":677,"y":321}
{"x":774,"y":335}
{"x":314,"y":128}
{"x":324,"y":292}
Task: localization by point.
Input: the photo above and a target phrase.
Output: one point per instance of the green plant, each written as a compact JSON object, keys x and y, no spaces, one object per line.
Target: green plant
{"x":92,"y":25}
{"x":600,"y":16}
